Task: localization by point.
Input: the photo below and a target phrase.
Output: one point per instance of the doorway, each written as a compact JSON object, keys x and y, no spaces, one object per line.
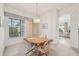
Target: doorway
{"x":64,"y":26}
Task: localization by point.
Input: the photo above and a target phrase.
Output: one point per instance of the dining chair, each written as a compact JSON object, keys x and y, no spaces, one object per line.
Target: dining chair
{"x":27,"y":43}
{"x":44,"y":48}
{"x":31,"y":50}
{"x":30,"y":47}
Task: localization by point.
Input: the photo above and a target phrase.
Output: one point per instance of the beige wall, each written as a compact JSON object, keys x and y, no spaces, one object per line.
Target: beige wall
{"x":30,"y":27}
{"x":35,"y":29}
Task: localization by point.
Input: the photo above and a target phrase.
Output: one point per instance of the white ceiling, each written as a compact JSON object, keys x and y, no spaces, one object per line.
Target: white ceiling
{"x":31,"y":7}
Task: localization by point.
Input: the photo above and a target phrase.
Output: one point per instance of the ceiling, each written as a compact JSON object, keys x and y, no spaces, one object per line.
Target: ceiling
{"x":36,"y":10}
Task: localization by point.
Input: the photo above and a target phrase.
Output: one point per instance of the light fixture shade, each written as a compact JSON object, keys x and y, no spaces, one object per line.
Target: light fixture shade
{"x":36,"y":20}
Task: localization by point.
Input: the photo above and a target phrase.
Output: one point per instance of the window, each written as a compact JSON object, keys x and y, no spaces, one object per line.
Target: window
{"x":16,"y":27}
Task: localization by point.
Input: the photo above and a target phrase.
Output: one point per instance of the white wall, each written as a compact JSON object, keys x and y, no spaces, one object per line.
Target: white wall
{"x":50,"y":19}
{"x":74,"y":30}
{"x":2,"y":30}
{"x":1,"y":41}
{"x":14,"y":40}
{"x":73,"y":11}
{"x":17,"y":12}
{"x":11,"y":41}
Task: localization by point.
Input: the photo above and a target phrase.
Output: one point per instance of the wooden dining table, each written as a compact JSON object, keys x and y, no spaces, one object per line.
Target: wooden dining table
{"x":37,"y":40}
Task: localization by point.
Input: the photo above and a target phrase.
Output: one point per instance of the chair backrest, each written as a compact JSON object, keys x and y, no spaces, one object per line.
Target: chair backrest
{"x":50,"y":41}
{"x":25,"y":39}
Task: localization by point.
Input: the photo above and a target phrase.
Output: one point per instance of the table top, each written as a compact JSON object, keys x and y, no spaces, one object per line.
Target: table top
{"x":37,"y":40}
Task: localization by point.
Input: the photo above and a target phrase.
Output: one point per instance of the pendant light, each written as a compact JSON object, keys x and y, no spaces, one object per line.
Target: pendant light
{"x":36,"y":20}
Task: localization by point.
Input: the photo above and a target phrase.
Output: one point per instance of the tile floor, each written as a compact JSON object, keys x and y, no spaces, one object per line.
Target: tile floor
{"x":60,"y":49}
